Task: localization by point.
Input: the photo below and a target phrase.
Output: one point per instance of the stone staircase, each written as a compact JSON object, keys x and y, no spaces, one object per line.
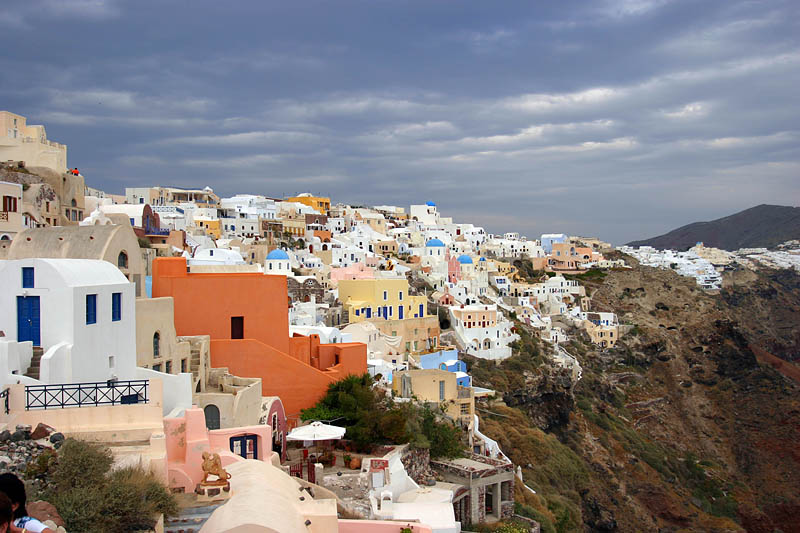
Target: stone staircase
{"x":194,"y":364}
{"x":190,"y":519}
{"x":36,"y":362}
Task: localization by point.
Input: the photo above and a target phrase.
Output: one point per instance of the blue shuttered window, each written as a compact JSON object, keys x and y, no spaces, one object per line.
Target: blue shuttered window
{"x":27,"y":277}
{"x":116,"y":306}
{"x":91,"y":308}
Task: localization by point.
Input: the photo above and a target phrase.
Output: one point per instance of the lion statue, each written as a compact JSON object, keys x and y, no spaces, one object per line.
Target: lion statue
{"x":212,"y":465}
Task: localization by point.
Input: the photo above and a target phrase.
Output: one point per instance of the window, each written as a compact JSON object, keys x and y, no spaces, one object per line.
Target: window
{"x":400,"y":295}
{"x":10,"y":204}
{"x":464,"y":409}
{"x":183,"y":365}
{"x":385,"y":295}
{"x":116,"y":307}
{"x":27,"y":277}
{"x":157,"y":368}
{"x":156,"y":345}
{"x":441,"y":391}
{"x":91,"y":308}
{"x":169,"y":367}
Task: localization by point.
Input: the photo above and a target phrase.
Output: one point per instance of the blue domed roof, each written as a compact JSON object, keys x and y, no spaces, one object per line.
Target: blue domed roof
{"x":277,"y":254}
{"x":430,"y":204}
{"x":434,"y":242}
{"x":482,"y":259}
{"x":464,"y":259}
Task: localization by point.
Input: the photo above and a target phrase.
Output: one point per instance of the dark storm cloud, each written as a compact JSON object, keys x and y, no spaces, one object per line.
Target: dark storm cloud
{"x":621,"y":119}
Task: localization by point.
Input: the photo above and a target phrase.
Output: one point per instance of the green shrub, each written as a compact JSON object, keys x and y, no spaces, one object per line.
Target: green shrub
{"x":89,"y":497}
{"x":81,"y":464}
{"x":371,"y":419}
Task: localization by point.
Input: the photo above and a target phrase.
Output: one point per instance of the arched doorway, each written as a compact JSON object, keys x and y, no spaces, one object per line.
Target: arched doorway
{"x":212,"y":416}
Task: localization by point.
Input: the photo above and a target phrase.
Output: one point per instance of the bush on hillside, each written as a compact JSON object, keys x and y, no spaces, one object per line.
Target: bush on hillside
{"x":90,"y":497}
{"x":372,"y":418}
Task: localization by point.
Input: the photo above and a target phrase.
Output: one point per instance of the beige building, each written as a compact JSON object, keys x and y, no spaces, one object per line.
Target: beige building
{"x":171,"y":196}
{"x":70,"y":190}
{"x":11,"y":214}
{"x":439,"y":387}
{"x":372,"y":219}
{"x":294,"y":225}
{"x":157,"y":345}
{"x":386,"y":248}
{"x":413,"y":335}
{"x":116,"y":244}
{"x":41,"y":204}
{"x":229,"y":400}
{"x":237,"y":400}
{"x":602,"y":335}
{"x":20,"y":141}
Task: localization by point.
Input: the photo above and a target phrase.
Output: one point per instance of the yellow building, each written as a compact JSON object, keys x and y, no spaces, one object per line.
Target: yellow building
{"x":320,"y":204}
{"x":382,"y":298}
{"x":440,"y":387}
{"x":294,"y":226}
{"x":210,"y":225}
{"x":605,"y":336}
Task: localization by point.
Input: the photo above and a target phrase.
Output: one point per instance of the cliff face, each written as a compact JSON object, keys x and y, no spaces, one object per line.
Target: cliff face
{"x":684,"y":426}
{"x":761,"y":226}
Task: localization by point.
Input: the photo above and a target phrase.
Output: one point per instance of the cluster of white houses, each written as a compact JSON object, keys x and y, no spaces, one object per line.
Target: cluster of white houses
{"x":189,"y":322}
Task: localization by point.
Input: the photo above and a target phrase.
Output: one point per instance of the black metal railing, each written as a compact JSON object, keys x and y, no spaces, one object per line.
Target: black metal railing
{"x":4,"y":397}
{"x":86,"y":394}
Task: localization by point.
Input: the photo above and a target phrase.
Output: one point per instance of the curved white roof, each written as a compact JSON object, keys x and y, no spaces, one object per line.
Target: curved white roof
{"x":77,"y":272}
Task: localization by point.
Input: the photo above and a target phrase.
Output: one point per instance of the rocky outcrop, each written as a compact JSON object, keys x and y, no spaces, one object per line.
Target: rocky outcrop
{"x":546,"y":398}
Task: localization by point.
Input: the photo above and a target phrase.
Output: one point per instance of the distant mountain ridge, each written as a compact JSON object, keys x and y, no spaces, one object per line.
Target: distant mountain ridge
{"x":762,"y":226}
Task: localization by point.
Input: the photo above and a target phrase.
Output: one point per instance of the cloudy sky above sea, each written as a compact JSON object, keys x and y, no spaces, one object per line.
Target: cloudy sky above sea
{"x":620,"y":119}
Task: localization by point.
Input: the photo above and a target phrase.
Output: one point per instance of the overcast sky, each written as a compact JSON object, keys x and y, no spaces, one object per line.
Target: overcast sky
{"x":620,"y":119}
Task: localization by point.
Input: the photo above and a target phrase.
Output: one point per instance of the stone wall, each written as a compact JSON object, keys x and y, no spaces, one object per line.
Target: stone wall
{"x":417,"y":464}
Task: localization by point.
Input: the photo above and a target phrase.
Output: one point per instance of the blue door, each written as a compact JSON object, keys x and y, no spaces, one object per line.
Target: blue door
{"x":28,"y":325}
{"x":245,"y":446}
{"x":400,"y":312}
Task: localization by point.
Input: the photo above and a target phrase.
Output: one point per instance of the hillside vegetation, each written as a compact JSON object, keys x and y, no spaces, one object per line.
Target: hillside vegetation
{"x":682,"y":427}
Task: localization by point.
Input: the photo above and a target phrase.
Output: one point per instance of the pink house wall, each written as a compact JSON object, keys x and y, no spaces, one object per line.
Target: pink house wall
{"x":379,"y":526}
{"x":354,"y":271}
{"x":187,"y":438}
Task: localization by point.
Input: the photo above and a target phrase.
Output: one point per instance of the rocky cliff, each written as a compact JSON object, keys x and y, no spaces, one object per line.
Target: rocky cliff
{"x":690,"y":424}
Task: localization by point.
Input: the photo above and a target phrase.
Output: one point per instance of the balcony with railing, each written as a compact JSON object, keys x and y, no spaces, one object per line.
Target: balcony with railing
{"x":95,"y":394}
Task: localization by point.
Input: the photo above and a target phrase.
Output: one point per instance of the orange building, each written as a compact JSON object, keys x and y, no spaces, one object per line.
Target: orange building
{"x":246,"y":316}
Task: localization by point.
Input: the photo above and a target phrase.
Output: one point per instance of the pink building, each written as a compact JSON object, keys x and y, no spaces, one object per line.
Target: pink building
{"x":188,"y":438}
{"x":453,"y":269}
{"x":354,"y":271}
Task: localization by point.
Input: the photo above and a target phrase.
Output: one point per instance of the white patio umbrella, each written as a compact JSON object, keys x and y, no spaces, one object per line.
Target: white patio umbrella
{"x":316,"y":431}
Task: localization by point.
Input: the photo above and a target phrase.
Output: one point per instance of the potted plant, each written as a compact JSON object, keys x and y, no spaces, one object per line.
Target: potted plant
{"x":347,"y":458}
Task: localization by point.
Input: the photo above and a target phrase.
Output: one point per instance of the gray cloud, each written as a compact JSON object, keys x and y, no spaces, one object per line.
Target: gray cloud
{"x":618,"y":118}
